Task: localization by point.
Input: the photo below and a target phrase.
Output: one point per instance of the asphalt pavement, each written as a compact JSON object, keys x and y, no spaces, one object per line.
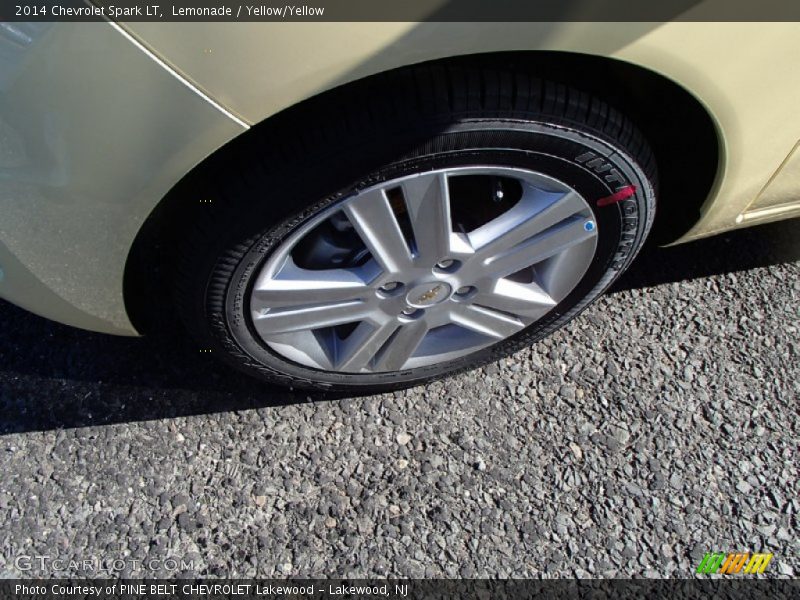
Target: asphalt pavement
{"x":660,"y":425}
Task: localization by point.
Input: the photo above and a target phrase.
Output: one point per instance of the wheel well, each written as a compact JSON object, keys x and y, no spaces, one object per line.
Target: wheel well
{"x":663,"y":110}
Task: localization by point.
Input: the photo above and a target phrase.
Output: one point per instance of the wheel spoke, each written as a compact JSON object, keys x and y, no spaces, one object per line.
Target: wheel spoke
{"x":523,"y":299}
{"x":537,"y":212}
{"x":574,"y":260}
{"x":538,"y":248}
{"x":373,"y":218}
{"x":428,"y":202}
{"x":360,"y":347}
{"x":389,"y":304}
{"x":294,"y":286}
{"x":300,"y":318}
{"x":485,"y":320}
{"x":401,"y":346}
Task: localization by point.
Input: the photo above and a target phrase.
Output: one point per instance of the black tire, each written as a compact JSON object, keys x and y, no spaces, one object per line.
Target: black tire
{"x":416,"y":119}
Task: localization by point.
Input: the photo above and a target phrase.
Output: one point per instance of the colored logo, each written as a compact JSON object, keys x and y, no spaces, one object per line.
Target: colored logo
{"x":730,"y":564}
{"x":428,"y":294}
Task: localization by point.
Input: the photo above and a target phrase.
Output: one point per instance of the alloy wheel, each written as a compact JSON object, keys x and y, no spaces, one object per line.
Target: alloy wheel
{"x":423,"y":269}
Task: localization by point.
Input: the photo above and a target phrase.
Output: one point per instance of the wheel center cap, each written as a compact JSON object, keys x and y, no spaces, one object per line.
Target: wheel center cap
{"x":428,"y":294}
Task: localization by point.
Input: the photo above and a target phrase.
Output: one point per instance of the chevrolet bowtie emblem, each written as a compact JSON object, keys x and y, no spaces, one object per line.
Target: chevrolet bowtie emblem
{"x":429,"y":295}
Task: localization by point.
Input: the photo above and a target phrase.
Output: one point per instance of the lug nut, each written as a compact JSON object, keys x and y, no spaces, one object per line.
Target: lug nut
{"x":589,"y":226}
{"x":448,"y":265}
{"x":409,"y":311}
{"x":389,"y":287}
{"x":464,"y":293}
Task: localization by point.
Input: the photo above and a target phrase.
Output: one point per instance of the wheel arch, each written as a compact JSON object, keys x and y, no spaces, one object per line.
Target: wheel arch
{"x":663,"y":110}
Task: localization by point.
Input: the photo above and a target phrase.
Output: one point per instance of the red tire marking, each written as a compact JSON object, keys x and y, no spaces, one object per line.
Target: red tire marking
{"x":619,"y":196}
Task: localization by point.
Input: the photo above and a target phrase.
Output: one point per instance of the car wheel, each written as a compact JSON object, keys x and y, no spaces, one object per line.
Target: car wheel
{"x":422,"y":224}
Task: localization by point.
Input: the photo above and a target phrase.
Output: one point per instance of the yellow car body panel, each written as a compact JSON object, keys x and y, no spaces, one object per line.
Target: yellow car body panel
{"x":93,"y":132}
{"x":779,"y":198}
{"x":99,"y":121}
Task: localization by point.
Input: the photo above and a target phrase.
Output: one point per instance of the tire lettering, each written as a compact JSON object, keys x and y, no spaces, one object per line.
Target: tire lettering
{"x":600,"y":165}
